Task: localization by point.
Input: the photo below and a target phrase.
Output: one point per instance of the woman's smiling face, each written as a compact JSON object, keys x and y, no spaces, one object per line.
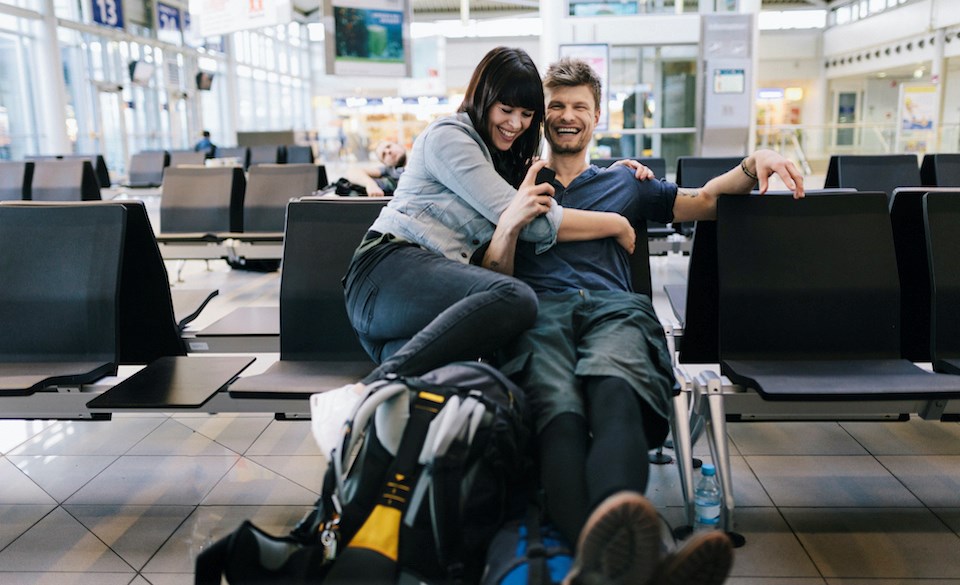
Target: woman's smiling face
{"x":506,"y":124}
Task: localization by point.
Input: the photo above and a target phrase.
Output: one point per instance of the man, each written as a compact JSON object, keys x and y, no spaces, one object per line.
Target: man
{"x":383,"y":180}
{"x":598,"y":371}
{"x":204,"y":144}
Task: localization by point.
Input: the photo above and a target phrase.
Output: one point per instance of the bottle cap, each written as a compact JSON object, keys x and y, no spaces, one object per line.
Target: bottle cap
{"x":708,"y":469}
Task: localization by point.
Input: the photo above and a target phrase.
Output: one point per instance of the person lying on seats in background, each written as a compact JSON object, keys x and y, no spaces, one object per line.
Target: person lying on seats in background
{"x":381,"y":181}
{"x":599,"y":376}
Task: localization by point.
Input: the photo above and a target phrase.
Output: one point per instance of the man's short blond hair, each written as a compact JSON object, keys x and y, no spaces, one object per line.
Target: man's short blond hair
{"x":570,"y":72}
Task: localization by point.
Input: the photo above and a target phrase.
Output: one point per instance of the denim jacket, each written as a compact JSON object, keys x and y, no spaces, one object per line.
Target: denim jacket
{"x":450,"y":196}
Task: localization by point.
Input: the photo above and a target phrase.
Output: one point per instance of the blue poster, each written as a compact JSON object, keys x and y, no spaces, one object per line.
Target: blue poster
{"x":368,"y":35}
{"x":108,"y":12}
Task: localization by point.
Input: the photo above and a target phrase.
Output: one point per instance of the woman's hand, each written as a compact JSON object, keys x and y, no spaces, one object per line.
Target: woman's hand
{"x":530,"y":202}
{"x":641,"y":172}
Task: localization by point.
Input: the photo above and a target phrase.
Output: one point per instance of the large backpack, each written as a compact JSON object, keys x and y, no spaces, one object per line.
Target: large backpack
{"x":528,"y":551}
{"x":415,"y":490}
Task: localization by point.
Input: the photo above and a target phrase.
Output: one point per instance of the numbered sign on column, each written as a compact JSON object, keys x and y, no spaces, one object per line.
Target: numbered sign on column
{"x":168,"y":18}
{"x":168,"y":23}
{"x":108,"y":12}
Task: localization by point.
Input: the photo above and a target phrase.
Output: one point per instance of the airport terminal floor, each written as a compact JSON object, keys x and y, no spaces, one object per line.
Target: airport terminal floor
{"x":132,"y":500}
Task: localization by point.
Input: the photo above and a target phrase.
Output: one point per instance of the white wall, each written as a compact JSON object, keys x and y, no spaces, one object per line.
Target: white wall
{"x":789,"y":55}
{"x":903,"y":22}
{"x":464,"y":54}
{"x":944,"y":13}
{"x":651,"y":29}
{"x":951,"y":92}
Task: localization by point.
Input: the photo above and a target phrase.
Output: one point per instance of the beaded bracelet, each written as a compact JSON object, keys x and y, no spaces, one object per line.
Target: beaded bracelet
{"x":743,"y":167}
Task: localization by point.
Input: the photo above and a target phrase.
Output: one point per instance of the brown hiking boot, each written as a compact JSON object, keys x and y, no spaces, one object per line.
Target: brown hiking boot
{"x":705,"y":560}
{"x":619,"y":544}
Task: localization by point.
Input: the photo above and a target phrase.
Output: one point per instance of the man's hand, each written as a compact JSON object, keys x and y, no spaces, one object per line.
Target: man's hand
{"x":767,"y":163}
{"x":627,"y":238}
{"x":641,"y":172}
{"x":374,"y":190}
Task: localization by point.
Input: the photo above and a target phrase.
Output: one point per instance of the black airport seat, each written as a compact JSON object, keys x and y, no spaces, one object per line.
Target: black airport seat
{"x":179,"y":158}
{"x":146,"y":168}
{"x":809,"y":300}
{"x":202,"y":201}
{"x":148,"y":324}
{"x":270,"y":187}
{"x":241,"y":153}
{"x":64,"y":180}
{"x":296,"y":153}
{"x":873,"y":172}
{"x":940,"y":170}
{"x":100,"y":172}
{"x":16,"y":178}
{"x":318,"y":347}
{"x":910,"y":239}
{"x":97,"y":162}
{"x":695,"y":303}
{"x":695,"y":171}
{"x":59,"y":301}
{"x":265,"y":154}
{"x":942,"y":216}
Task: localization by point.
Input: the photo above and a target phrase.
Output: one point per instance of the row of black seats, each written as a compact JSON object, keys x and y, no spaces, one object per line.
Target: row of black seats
{"x":49,"y":180}
{"x":146,"y":168}
{"x":811,"y":308}
{"x":209,"y":201}
{"x":885,"y":172}
{"x":861,"y":172}
{"x":85,"y":290}
{"x":113,"y":315}
{"x":845,"y":243}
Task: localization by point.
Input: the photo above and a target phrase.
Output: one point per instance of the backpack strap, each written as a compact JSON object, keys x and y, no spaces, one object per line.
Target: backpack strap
{"x":537,"y":573}
{"x":450,"y":452}
{"x":373,"y":553}
{"x":399,"y":480}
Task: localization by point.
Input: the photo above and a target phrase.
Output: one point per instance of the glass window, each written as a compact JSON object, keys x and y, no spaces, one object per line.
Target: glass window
{"x":843,"y":14}
{"x":241,"y":42}
{"x":651,"y":88}
{"x":28,"y":4}
{"x":18,"y":133}
{"x":67,"y":9}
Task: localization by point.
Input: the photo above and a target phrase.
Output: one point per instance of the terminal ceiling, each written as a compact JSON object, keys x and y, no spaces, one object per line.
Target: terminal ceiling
{"x":441,"y":9}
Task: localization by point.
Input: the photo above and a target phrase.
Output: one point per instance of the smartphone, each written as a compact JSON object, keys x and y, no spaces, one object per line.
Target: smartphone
{"x":546,"y":175}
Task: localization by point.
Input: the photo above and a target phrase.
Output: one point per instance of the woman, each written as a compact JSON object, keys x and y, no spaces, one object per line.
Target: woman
{"x":415,"y":292}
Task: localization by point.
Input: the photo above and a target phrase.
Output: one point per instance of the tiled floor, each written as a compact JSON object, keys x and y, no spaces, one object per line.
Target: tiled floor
{"x":131,"y":500}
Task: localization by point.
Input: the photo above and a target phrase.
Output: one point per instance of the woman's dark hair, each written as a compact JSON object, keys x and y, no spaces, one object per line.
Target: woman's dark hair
{"x":508,"y":76}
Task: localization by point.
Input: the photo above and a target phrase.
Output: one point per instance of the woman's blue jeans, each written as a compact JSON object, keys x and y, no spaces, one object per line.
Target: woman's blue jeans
{"x":415,"y":310}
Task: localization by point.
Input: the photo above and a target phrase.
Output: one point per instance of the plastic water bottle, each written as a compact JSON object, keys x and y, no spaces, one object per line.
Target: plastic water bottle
{"x":707,"y":499}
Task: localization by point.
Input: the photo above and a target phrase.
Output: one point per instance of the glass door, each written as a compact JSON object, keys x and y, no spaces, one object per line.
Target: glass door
{"x":846,"y":106}
{"x":111,"y":139}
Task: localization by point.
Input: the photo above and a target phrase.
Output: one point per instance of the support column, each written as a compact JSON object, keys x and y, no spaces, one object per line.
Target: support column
{"x":232,"y":94}
{"x":51,"y":88}
{"x":936,"y":76}
{"x":551,"y":15}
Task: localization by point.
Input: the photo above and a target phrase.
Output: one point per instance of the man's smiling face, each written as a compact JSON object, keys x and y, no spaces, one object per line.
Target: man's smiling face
{"x":571,"y":118}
